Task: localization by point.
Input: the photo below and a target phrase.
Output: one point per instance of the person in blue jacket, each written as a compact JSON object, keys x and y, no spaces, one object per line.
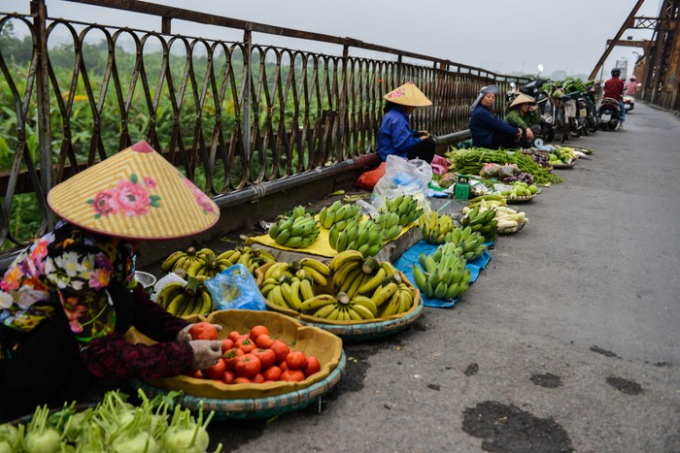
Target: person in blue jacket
{"x":395,"y":135}
{"x":487,"y":130}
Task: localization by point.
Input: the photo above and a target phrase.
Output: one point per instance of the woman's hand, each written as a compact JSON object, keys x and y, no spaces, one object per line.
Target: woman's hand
{"x":206,"y":353}
{"x":530,"y":135}
{"x":422,"y":134}
{"x":519,"y":134}
{"x":184,"y":337}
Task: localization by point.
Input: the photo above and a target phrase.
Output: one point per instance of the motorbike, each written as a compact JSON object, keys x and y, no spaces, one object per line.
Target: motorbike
{"x":592,"y":120}
{"x":610,"y":114}
{"x":628,"y":102}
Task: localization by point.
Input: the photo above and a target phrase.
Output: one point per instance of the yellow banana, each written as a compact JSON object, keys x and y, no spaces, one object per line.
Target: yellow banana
{"x":324,"y":311}
{"x":367,"y":303}
{"x":391,"y":307}
{"x":334,"y":314}
{"x":348,"y":255}
{"x":317,"y":276}
{"x":171,"y":260}
{"x":353,"y":314}
{"x":351,"y":277}
{"x":369,"y":286}
{"x":362,"y":311}
{"x":316,"y":302}
{"x":316,"y":264}
{"x":276,"y":297}
{"x":306,"y":289}
{"x":383,"y":294}
{"x":175,"y":306}
{"x":341,"y":274}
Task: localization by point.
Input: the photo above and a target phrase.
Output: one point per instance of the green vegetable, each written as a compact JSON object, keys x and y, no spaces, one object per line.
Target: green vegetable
{"x":470,"y":162}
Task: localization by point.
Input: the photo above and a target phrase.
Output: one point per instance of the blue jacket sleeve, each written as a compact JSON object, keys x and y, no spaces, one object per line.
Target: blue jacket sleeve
{"x":496,"y":124}
{"x":402,"y":136}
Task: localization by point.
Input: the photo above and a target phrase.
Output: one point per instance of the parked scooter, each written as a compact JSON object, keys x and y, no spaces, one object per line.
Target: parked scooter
{"x":592,"y":119}
{"x":610,"y":115}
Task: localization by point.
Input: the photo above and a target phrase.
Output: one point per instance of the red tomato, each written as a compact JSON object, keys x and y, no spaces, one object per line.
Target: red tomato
{"x":230,"y":358}
{"x":215,"y":371}
{"x":257,"y":331}
{"x":198,"y":374}
{"x":313,"y":366}
{"x":229,"y":377}
{"x":235,"y":335}
{"x":258,"y":379}
{"x":242,"y":380}
{"x":245,"y":344}
{"x":264,"y":341}
{"x":272,"y":373}
{"x":267,"y":357}
{"x":283,"y":365}
{"x":293,"y":376}
{"x":227,"y":344}
{"x":203,"y":331}
{"x":296,"y":360}
{"x":281,"y":350}
{"x":268,"y":382}
{"x":248,"y":366}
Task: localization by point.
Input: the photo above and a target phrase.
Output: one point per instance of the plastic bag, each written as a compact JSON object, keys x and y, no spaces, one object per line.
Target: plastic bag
{"x":409,"y":177}
{"x":368,"y":179}
{"x":509,"y":170}
{"x":489,"y":171}
{"x":235,"y":288}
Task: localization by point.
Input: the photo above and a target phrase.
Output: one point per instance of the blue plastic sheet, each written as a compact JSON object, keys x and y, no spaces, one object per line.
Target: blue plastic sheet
{"x":235,"y":288}
{"x":410,"y":258}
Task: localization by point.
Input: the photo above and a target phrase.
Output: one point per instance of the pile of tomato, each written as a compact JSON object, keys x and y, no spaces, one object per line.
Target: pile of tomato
{"x":254,"y":357}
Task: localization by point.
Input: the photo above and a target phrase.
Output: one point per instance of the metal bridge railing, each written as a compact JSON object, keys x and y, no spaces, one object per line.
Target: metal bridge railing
{"x":231,"y":115}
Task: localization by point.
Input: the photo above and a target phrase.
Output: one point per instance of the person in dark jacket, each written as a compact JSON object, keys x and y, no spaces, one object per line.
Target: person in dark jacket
{"x":67,"y":301}
{"x":487,"y":130}
{"x":395,"y":135}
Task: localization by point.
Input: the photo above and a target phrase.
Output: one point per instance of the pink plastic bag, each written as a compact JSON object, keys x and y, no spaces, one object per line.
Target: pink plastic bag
{"x":439,"y":164}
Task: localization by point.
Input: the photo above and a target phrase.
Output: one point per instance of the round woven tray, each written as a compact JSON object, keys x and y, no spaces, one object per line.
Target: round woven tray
{"x":372,"y":330}
{"x":511,"y":230}
{"x":558,"y":166}
{"x":258,"y":408}
{"x":582,"y":149}
{"x":520,"y":199}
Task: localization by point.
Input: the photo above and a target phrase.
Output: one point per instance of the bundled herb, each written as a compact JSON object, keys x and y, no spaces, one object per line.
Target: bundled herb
{"x":471,"y":161}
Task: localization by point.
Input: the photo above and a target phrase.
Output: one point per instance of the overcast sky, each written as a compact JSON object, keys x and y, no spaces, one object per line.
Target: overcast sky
{"x":499,"y":35}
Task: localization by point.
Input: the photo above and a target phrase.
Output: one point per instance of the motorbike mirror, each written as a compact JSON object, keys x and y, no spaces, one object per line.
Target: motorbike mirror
{"x":512,"y":85}
{"x":540,"y":68}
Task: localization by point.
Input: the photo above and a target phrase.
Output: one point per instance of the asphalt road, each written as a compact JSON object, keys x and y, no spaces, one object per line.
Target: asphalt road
{"x":568,"y":341}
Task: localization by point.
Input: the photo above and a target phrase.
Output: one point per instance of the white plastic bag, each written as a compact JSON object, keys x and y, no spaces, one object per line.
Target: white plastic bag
{"x":409,"y":177}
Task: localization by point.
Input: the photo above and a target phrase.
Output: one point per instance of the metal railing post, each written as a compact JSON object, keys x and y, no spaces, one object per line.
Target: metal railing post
{"x":39,"y":13}
{"x":248,"y":41}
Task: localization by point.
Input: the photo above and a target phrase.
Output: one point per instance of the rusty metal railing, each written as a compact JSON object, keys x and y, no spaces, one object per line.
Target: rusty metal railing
{"x":230,"y":115}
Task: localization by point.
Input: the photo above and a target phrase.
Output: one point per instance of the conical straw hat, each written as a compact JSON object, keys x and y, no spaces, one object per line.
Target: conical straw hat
{"x":522,"y":99}
{"x":134,"y":194}
{"x":408,"y":94}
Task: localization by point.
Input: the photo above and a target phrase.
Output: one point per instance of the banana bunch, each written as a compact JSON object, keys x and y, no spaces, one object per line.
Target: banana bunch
{"x":297,"y":231}
{"x":405,"y":206}
{"x":314,"y":270}
{"x":389,"y":222}
{"x":181,"y":260}
{"x":468,"y":244}
{"x":486,"y":201}
{"x":181,"y":300}
{"x":367,"y":238}
{"x":445,"y":279}
{"x":434,"y":227}
{"x":483,"y":221}
{"x":287,"y":292}
{"x":338,"y":215}
{"x":509,"y":218}
{"x":340,"y":307}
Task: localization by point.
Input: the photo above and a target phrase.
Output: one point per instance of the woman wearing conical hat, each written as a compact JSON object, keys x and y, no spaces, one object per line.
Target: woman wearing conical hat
{"x":487,"y":130}
{"x":523,"y":114}
{"x":68,"y":299}
{"x":395,"y":136}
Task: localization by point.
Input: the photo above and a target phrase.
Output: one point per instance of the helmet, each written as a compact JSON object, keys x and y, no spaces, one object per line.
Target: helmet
{"x":632,"y":78}
{"x":616,"y":72}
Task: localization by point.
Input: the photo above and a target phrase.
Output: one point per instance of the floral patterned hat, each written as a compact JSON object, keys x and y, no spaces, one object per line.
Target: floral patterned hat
{"x":408,"y":94}
{"x":135,"y":194}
